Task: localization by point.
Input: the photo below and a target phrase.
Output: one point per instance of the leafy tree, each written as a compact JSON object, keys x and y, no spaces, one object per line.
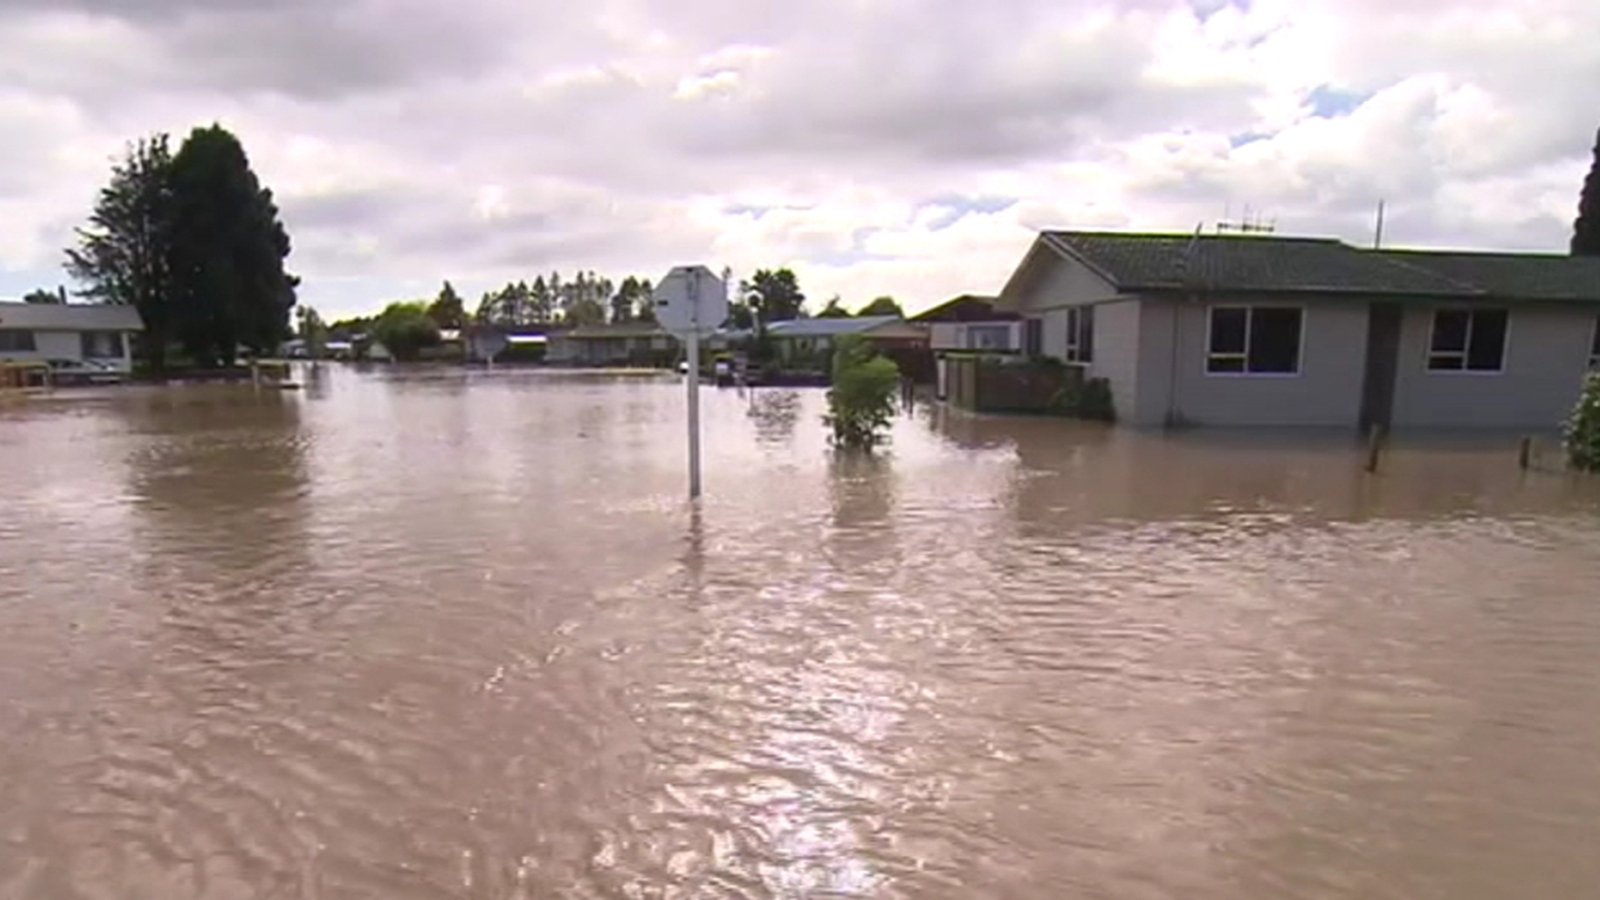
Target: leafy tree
{"x":834,"y":310}
{"x":882,"y":306}
{"x":42,"y":296}
{"x":645,"y":310}
{"x":1586,"y":230}
{"x":406,"y":330}
{"x":584,"y":311}
{"x":349,"y":329}
{"x":861,"y":400}
{"x":226,"y":252}
{"x":625,"y":300}
{"x":447,"y":311}
{"x":310,"y":328}
{"x":124,"y":254}
{"x":773,"y":295}
{"x":741,"y":315}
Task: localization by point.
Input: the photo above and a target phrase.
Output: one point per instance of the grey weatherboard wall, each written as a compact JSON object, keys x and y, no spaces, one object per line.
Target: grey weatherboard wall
{"x":1326,"y":392}
{"x":1547,"y":353}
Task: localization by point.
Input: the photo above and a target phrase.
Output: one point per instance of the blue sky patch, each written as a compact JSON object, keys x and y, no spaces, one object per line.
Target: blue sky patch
{"x":955,"y":206}
{"x":1205,"y":9}
{"x":1328,"y":102}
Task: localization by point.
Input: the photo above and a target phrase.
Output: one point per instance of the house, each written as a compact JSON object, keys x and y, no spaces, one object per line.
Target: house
{"x":971,"y":323}
{"x":614,"y":344}
{"x":70,"y":336}
{"x":813,"y":338}
{"x":1266,"y":330}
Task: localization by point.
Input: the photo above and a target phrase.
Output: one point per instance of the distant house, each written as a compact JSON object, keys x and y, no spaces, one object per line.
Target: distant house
{"x":800,"y":337}
{"x":971,"y":323}
{"x":70,"y":336}
{"x":496,"y":343}
{"x":1265,"y":330}
{"x":615,"y":344}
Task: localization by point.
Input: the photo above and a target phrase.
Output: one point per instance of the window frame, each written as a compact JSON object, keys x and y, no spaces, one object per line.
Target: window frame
{"x":1594,"y":344}
{"x":1249,"y":308}
{"x":1080,"y":324}
{"x":1001,"y":332}
{"x":1428,"y":353}
{"x":32,"y":341}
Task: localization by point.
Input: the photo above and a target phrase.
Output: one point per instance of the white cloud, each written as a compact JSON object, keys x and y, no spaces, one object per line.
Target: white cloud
{"x":897,"y":147}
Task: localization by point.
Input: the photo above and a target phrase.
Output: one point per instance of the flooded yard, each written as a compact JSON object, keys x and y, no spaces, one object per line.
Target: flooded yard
{"x":440,"y":634}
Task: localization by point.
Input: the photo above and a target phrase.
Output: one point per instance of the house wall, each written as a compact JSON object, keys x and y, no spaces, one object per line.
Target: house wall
{"x":1116,"y":352}
{"x":51,"y":345}
{"x":1547,"y":353}
{"x":1064,"y":282}
{"x":957,"y":335}
{"x":1176,"y":385}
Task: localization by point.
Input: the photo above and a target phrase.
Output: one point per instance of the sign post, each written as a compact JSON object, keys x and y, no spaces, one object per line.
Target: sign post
{"x":689,"y":301}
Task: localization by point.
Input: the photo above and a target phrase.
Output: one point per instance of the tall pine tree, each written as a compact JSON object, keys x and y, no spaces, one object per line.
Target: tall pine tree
{"x":1586,"y":231}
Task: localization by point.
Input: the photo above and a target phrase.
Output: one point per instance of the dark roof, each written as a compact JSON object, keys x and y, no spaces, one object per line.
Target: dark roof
{"x":616,"y":330}
{"x":70,"y":317}
{"x":828,"y":327}
{"x":965,"y":308}
{"x":1150,"y":262}
{"x":1521,"y":276}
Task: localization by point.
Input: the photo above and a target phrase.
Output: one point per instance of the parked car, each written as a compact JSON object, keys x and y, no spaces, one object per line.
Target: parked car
{"x":83,"y":371}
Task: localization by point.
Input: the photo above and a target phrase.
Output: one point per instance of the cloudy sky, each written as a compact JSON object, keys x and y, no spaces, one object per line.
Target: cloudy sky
{"x":876,"y":146}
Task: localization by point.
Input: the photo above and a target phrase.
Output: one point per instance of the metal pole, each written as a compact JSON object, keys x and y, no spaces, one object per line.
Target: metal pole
{"x":693,"y":380}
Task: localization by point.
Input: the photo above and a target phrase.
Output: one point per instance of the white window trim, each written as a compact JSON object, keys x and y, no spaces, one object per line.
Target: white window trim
{"x":1206,"y":354}
{"x":1433,"y":324}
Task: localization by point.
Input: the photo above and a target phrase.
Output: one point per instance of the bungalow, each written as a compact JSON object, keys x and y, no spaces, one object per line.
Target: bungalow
{"x":71,"y":337}
{"x":971,"y":323}
{"x":1259,"y":330}
{"x":803,"y":342}
{"x":615,"y":344}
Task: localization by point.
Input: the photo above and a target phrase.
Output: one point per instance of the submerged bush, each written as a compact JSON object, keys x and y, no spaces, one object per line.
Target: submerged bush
{"x":861,"y":402}
{"x":1583,"y":428}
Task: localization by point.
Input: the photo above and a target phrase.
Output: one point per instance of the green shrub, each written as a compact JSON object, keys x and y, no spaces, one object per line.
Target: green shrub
{"x":406,"y":330}
{"x":861,"y":402}
{"x":1090,"y":399}
{"x":1583,"y":428}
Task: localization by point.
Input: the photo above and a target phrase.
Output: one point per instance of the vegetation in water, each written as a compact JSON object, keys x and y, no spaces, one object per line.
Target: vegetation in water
{"x":861,"y":402}
{"x":1583,"y":428}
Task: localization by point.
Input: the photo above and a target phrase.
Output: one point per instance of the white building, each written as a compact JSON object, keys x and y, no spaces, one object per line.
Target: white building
{"x":70,"y":335}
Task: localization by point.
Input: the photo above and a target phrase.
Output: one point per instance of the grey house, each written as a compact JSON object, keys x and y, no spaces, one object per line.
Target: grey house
{"x":1261,"y":330}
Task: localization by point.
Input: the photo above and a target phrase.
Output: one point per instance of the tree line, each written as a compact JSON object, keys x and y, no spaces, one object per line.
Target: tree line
{"x":193,"y":241}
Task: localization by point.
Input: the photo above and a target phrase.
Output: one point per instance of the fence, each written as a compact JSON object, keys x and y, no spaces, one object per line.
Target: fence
{"x":988,"y":384}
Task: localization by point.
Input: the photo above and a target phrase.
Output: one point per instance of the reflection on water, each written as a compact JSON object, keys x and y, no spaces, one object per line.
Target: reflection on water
{"x":421,"y":634}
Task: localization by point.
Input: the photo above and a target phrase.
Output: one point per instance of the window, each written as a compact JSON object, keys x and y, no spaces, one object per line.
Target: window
{"x":988,"y":337}
{"x":1254,"y":340}
{"x":16,"y":342}
{"x":1594,"y":346}
{"x":1033,"y":337}
{"x":1468,"y":340}
{"x":1080,"y":334}
{"x":101,"y":345}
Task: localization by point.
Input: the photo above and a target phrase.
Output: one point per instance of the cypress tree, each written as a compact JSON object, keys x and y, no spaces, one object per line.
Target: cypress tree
{"x":1586,"y":231}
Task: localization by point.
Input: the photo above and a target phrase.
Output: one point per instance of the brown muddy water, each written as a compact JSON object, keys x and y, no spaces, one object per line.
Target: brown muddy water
{"x":413,"y":635}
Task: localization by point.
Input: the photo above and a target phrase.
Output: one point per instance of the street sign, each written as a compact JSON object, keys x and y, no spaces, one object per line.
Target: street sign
{"x":690,"y":302}
{"x":691,"y":298}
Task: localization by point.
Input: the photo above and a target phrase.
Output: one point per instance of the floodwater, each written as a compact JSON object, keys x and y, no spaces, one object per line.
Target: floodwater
{"x":438,"y":634}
